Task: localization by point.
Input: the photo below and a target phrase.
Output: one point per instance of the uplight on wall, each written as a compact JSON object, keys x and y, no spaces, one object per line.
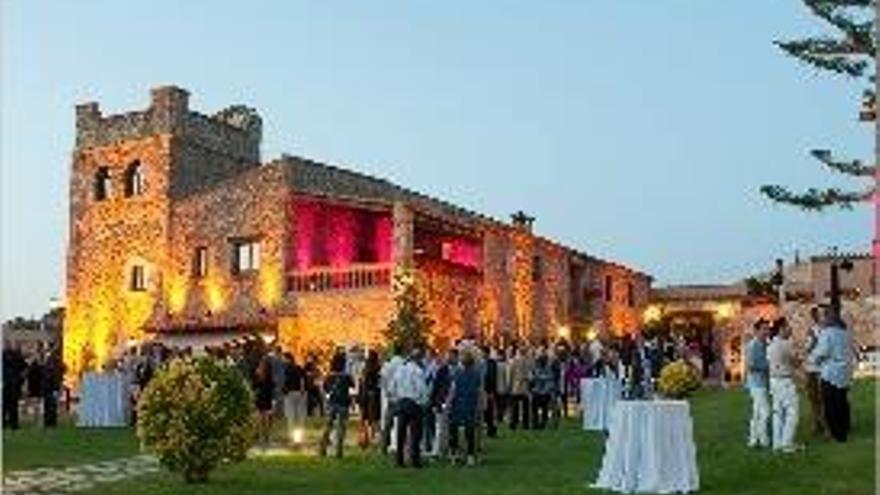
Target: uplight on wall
{"x":652,"y":313}
{"x":724,"y":311}
{"x":563,"y":332}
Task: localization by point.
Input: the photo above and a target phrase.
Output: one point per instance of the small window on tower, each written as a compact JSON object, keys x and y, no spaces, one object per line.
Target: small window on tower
{"x":200,"y":262}
{"x":630,"y":295}
{"x":138,"y":280}
{"x":134,"y":179}
{"x":102,"y":184}
{"x":609,"y":286}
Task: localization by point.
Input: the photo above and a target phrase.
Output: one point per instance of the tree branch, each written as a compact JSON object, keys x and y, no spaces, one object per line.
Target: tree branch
{"x":817,"y":200}
{"x":855,"y":168}
{"x":827,"y":54}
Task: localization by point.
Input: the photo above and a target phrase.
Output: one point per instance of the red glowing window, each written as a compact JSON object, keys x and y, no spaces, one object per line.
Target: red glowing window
{"x":331,"y":235}
{"x":462,"y":252}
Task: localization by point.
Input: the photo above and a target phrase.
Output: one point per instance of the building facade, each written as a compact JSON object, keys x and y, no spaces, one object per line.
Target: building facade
{"x":179,"y":232}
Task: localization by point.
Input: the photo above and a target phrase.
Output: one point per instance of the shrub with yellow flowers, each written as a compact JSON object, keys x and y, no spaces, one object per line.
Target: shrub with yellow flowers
{"x":678,"y":379}
{"x":195,"y":414}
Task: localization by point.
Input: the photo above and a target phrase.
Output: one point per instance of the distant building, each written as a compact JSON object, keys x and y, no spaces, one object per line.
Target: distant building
{"x":29,"y":334}
{"x":178,"y":232}
{"x":723,"y":315}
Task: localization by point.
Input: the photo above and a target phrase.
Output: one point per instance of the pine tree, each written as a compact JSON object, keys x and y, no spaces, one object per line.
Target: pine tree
{"x":849,"y":53}
{"x":411,"y":324}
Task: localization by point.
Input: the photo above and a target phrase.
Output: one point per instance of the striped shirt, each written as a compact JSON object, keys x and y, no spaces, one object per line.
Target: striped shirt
{"x":409,"y":382}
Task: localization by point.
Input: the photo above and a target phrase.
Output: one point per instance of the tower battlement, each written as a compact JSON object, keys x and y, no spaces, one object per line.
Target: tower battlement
{"x":235,"y":131}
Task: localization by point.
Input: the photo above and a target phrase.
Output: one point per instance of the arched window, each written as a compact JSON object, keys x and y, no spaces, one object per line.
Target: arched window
{"x":102,"y":184}
{"x":134,"y":179}
{"x":138,"y":280}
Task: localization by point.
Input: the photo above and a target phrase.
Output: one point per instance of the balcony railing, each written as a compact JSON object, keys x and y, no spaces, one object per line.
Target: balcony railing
{"x":358,"y":276}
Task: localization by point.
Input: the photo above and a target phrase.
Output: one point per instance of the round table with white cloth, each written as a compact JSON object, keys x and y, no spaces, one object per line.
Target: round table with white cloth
{"x":104,"y":400}
{"x":650,"y":449}
{"x":598,"y":397}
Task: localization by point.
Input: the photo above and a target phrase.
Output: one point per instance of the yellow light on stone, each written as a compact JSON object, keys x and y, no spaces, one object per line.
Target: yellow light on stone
{"x":563,"y":332}
{"x":177,"y":295}
{"x":724,"y":311}
{"x":592,"y":334}
{"x":215,"y":295}
{"x":652,"y":313}
{"x":270,"y":284}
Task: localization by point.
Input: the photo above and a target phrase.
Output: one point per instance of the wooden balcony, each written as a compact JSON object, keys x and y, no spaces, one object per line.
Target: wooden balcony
{"x":352,"y":277}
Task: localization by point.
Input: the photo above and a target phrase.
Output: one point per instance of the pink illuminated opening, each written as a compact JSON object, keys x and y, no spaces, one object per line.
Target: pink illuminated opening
{"x":337,"y":236}
{"x":462,"y":252}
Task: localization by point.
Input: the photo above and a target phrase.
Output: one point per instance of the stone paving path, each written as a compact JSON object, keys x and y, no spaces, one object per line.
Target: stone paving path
{"x":62,"y":480}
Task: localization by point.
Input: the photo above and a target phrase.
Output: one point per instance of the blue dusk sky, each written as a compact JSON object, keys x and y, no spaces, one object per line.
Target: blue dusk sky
{"x":638,"y":131}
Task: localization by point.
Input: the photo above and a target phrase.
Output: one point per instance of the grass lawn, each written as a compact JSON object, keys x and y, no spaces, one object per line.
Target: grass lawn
{"x":548,"y":462}
{"x":32,"y":447}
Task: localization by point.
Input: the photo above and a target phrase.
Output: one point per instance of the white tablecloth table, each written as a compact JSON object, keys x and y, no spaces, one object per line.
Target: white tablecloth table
{"x":650,"y":449}
{"x":104,"y":400}
{"x":598,"y":397}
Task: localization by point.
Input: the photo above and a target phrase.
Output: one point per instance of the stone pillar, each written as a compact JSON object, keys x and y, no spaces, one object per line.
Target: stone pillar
{"x":403,"y":236}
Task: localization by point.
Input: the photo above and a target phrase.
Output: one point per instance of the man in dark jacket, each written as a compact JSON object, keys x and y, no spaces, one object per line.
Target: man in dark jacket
{"x":53,"y":378}
{"x":490,"y":386}
{"x":14,"y":367}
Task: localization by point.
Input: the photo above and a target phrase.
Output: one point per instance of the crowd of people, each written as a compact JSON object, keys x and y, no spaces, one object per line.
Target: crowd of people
{"x":773,"y":368}
{"x":423,"y":402}
{"x":434,"y":398}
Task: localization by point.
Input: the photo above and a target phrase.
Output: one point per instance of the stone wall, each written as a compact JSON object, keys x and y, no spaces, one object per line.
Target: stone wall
{"x":251,"y":206}
{"x":325,"y":320}
{"x":615,"y":313}
{"x":209,"y":149}
{"x":861,"y":315}
{"x":107,"y":239}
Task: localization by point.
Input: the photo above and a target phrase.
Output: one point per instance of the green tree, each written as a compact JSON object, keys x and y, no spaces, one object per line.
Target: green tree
{"x":411,"y":324}
{"x":849,"y":52}
{"x":195,"y":415}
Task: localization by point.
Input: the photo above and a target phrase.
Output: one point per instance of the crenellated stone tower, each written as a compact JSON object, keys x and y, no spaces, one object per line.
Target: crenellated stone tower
{"x":127,"y":172}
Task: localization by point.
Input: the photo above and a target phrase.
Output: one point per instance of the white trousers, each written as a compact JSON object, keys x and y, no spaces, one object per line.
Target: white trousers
{"x":759,"y":423}
{"x":441,"y":435}
{"x":783,"y":394}
{"x":295,"y":410}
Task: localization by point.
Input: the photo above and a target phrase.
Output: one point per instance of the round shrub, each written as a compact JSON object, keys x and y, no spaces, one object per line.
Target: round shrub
{"x":678,"y":379}
{"x":195,"y":414}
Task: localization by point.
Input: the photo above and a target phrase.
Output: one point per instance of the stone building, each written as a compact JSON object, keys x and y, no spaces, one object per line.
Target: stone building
{"x":179,"y":232}
{"x":33,"y":334}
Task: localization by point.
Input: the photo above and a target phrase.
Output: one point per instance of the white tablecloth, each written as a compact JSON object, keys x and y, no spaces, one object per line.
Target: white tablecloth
{"x":598,"y":397}
{"x":650,"y":449}
{"x":104,"y":400}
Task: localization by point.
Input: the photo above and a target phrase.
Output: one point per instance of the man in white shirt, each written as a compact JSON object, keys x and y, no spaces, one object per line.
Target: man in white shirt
{"x":409,"y":387}
{"x":833,"y":354}
{"x":757,"y":372}
{"x":389,"y":401}
{"x":783,"y":392}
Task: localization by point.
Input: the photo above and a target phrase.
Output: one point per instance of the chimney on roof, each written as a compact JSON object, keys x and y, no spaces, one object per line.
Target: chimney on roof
{"x":522,"y":221}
